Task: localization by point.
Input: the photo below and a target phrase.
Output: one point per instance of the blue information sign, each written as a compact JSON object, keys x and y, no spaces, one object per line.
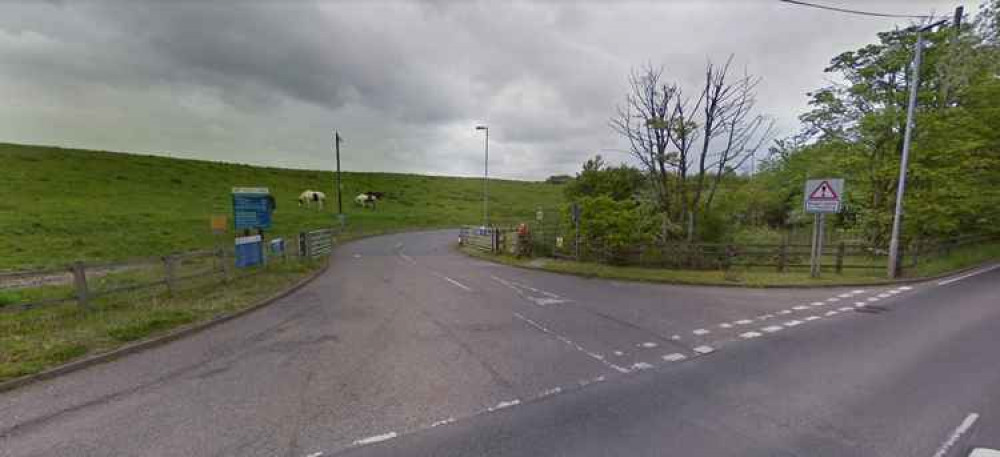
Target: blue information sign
{"x":249,"y":251}
{"x":252,"y":207}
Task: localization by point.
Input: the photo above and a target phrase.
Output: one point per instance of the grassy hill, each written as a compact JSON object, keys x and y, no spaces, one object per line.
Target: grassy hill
{"x":59,"y":205}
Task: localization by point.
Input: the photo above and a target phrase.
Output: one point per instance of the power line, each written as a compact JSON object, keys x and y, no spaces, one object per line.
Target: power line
{"x":849,"y":11}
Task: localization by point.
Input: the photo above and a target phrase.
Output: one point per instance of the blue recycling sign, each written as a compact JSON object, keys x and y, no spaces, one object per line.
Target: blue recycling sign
{"x":252,"y":208}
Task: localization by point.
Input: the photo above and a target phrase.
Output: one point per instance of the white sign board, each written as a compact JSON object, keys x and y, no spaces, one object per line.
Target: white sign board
{"x":824,"y":195}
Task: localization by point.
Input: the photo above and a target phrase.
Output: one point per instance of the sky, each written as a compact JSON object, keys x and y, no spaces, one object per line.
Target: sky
{"x":405,"y":83}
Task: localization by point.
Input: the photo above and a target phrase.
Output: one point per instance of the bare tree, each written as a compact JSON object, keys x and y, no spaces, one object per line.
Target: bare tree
{"x":688,"y":146}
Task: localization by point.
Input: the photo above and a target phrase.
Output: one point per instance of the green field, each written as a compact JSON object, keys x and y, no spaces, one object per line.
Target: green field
{"x":60,"y":205}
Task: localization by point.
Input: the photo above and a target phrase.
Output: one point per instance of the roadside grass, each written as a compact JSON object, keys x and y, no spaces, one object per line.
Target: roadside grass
{"x":748,"y":276}
{"x":62,"y":205}
{"x":36,"y":339}
{"x":959,"y":258}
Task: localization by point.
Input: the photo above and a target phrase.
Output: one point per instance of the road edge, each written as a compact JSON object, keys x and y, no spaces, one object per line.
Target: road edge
{"x":744,"y":286}
{"x":150,"y":343}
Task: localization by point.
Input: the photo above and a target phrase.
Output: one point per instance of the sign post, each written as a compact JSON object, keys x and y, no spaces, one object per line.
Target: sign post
{"x":822,"y":196}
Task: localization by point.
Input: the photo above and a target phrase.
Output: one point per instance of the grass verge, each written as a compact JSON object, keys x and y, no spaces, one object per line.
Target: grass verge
{"x":37,"y":339}
{"x":748,"y":276}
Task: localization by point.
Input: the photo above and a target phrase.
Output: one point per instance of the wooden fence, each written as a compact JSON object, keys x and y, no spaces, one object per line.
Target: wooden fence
{"x":837,"y":257}
{"x":82,"y":282}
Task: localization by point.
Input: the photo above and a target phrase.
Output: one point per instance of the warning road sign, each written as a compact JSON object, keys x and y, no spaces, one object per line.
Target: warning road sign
{"x":824,"y":195}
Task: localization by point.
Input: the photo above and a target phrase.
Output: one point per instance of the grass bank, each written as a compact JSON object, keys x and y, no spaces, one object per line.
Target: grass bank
{"x":61,"y":205}
{"x":37,"y":339}
{"x":751,"y":277}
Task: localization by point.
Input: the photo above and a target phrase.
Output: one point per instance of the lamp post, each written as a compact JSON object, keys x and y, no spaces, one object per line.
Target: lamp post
{"x":486,"y":176}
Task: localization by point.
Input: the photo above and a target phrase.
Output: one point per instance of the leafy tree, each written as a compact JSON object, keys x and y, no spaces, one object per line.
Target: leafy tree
{"x":619,"y":183}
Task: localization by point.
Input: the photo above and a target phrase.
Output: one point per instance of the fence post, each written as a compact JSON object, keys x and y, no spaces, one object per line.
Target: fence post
{"x":80,"y":283}
{"x":840,"y":257}
{"x":226,"y":270}
{"x":782,"y":256}
{"x":302,"y":245}
{"x":170,"y":267}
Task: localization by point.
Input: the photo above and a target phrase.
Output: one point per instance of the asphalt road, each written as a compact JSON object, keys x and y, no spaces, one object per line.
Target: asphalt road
{"x":406,"y":347}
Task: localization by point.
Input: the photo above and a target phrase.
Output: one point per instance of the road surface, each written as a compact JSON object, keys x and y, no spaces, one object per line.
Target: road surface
{"x":406,"y":347}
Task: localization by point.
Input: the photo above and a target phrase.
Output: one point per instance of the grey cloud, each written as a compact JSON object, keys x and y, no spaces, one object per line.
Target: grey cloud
{"x":267,"y":82}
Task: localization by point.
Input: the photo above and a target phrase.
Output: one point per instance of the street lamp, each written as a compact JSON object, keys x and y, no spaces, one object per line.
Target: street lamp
{"x":486,"y":177}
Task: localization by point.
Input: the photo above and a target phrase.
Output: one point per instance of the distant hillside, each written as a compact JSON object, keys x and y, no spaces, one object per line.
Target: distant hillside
{"x":58,"y":205}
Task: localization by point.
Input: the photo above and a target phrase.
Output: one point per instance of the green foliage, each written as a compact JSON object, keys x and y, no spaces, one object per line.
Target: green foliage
{"x":8,"y":297}
{"x":615,"y":225}
{"x":598,"y":179}
{"x":61,"y":205}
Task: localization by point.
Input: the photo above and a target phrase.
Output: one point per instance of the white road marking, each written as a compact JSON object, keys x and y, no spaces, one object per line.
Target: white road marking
{"x":792,"y":323}
{"x":967,"y":275}
{"x":800,"y":307}
{"x":818,"y":303}
{"x":764,"y":317}
{"x":315,"y":454}
{"x":648,"y":344}
{"x":504,"y":404}
{"x":675,"y":337}
{"x":701,"y":331}
{"x":884,"y":295}
{"x":641,"y":366}
{"x":619,"y":353}
{"x":599,"y":379}
{"x":704,"y":349}
{"x":443,"y":422}
{"x":895,"y":291}
{"x":873,"y":299}
{"x":832,"y":299}
{"x":454,"y":282}
{"x":570,"y":342}
{"x":408,"y":258}
{"x":859,"y":303}
{"x":749,"y":335}
{"x":375,"y":439}
{"x":725,"y":325}
{"x":848,"y":308}
{"x":984,"y":452}
{"x":858,"y":291}
{"x":552,"y":391}
{"x":773,"y":328}
{"x":357,"y":256}
{"x":812,"y":318}
{"x":744,"y":322}
{"x":785,"y":311}
{"x":833,"y":312}
{"x":846,"y":295}
{"x":962,"y":428}
{"x":910,"y":288}
{"x":675,"y":357}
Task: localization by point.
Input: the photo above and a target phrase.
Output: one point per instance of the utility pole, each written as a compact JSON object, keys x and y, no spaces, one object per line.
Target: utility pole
{"x":486,"y":178}
{"x":340,"y":201}
{"x":904,"y":161}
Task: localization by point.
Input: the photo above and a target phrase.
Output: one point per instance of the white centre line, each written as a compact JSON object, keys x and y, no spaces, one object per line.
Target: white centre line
{"x":833,"y":312}
{"x":792,"y":323}
{"x":962,"y":428}
{"x":704,"y":349}
{"x":744,"y":322}
{"x":456,"y":283}
{"x":832,"y":299}
{"x":675,"y":357}
{"x":967,"y":275}
{"x":800,"y":307}
{"x":818,"y":303}
{"x":773,"y":328}
{"x":785,"y":311}
{"x":848,"y":308}
{"x":375,"y":439}
{"x":315,"y":454}
{"x":725,"y":325}
{"x":701,"y":331}
{"x":749,"y":335}
{"x":812,"y":318}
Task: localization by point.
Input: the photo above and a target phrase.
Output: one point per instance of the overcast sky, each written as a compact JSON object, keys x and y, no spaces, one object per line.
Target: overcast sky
{"x":404,"y":82}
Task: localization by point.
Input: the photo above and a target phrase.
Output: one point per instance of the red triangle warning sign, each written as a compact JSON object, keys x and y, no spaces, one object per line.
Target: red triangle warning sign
{"x":824,"y":191}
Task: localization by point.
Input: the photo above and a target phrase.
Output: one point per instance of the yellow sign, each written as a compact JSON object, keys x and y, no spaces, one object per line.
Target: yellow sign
{"x":219,"y":223}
